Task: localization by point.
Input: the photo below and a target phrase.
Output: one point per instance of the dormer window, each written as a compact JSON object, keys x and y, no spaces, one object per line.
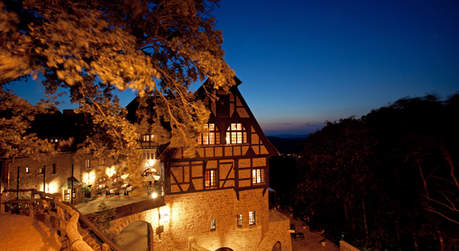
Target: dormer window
{"x":210,"y":136}
{"x":147,"y":137}
{"x":236,"y":134}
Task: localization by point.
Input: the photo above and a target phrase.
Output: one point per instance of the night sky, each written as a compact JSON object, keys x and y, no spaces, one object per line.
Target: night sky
{"x":305,"y":62}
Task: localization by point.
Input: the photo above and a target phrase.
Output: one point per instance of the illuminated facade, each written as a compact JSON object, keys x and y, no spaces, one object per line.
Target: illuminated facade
{"x":217,"y":198}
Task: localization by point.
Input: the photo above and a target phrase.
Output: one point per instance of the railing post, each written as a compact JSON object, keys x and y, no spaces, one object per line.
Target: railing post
{"x":2,"y":205}
{"x":31,"y":211}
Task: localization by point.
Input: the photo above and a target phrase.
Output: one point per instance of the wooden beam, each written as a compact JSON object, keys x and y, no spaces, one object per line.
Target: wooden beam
{"x":176,"y":181}
{"x":236,"y":177}
{"x":227,"y":175}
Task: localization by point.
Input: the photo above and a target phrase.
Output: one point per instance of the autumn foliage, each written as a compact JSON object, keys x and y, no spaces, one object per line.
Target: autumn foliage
{"x":90,"y":49}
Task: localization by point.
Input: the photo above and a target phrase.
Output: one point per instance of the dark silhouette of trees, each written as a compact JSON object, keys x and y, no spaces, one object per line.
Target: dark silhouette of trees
{"x":387,"y":180}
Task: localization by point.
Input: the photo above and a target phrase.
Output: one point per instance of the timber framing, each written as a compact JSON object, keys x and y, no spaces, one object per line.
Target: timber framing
{"x":240,"y":165}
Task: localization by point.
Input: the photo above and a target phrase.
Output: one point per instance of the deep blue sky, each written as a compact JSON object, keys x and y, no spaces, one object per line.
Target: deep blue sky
{"x":308,"y":61}
{"x":304,"y":62}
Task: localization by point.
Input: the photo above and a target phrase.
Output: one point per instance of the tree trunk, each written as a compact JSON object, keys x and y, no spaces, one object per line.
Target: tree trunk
{"x":397,"y":231}
{"x":351,"y":216}
{"x":424,"y":182}
{"x":415,"y":242}
{"x":448,"y":159}
{"x":441,"y":240}
{"x":17,"y":180}
{"x":365,"y":224}
{"x":346,"y":215}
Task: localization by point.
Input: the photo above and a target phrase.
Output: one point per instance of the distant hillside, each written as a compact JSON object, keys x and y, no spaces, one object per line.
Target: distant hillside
{"x":288,"y":145}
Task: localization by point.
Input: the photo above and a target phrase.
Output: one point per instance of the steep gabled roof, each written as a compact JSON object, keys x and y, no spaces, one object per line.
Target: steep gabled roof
{"x":201,"y":93}
{"x":271,"y":148}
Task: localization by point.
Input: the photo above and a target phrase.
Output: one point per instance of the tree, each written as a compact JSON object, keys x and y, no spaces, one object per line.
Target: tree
{"x":157,"y":48}
{"x":387,"y":180}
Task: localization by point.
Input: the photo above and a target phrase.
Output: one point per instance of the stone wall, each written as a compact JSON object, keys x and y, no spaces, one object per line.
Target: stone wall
{"x":279,"y":225}
{"x":34,"y":179}
{"x":185,"y":221}
{"x":344,"y":246}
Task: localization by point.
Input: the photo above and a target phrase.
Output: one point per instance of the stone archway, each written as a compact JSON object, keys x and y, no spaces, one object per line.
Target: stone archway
{"x":277,"y":246}
{"x":135,"y":237}
{"x":224,"y":249}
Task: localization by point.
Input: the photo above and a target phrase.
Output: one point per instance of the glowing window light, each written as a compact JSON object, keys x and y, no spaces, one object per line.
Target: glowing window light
{"x":236,"y":134}
{"x":210,"y":135}
{"x":213,"y":224}
{"x":147,"y":137}
{"x":257,"y":176}
{"x":110,"y":171}
{"x":51,"y":187}
{"x":252,"y":218}
{"x":89,"y":177}
{"x":210,"y":178}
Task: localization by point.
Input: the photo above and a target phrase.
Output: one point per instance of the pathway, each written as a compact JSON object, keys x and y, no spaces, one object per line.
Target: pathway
{"x":22,"y":233}
{"x":312,"y":241}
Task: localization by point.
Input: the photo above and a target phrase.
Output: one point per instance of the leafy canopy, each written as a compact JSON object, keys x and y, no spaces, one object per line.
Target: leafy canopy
{"x":92,"y":48}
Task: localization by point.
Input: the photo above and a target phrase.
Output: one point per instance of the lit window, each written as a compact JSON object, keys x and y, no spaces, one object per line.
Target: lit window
{"x":239,"y":220}
{"x":257,"y":176}
{"x":54,"y":168}
{"x":110,"y":171}
{"x":236,"y":134}
{"x":88,"y":164}
{"x":41,"y":170}
{"x":210,"y":136}
{"x":27,"y":170}
{"x":213,"y":224}
{"x":252,"y":218}
{"x":147,"y":137}
{"x":210,"y":179}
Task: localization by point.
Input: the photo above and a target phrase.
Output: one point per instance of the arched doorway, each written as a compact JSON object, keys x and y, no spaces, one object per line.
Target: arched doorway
{"x":224,"y":249}
{"x":277,"y":246}
{"x":135,"y":237}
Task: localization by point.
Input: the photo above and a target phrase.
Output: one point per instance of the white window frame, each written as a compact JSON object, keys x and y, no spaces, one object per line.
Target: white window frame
{"x":239,"y":220}
{"x":258,"y":176}
{"x":210,"y":136}
{"x":236,"y":134}
{"x":252,"y":218}
{"x":213,"y":224}
{"x":211,"y":181}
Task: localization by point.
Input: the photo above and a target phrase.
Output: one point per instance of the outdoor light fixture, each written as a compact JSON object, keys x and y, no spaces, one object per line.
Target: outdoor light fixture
{"x":164,"y":215}
{"x":154,"y":195}
{"x":150,"y":162}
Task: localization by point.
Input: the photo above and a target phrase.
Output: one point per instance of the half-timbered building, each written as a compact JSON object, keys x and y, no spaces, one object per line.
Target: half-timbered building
{"x":216,"y":198}
{"x":221,"y":191}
